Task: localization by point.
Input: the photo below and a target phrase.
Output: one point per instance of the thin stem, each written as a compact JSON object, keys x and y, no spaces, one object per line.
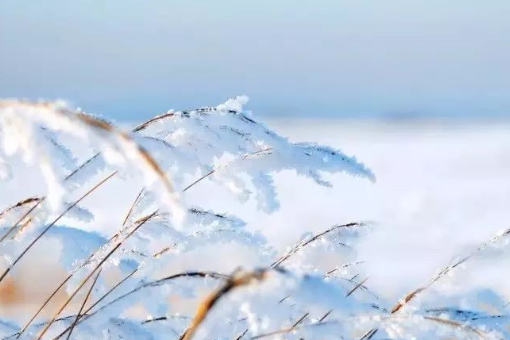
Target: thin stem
{"x":359,"y":285}
{"x":128,"y":215}
{"x":25,"y":215}
{"x":83,"y":304}
{"x":87,"y":314}
{"x":78,"y":319}
{"x":211,"y":301}
{"x":245,"y":156}
{"x":84,"y":281}
{"x":53,"y":223}
{"x":303,"y":244}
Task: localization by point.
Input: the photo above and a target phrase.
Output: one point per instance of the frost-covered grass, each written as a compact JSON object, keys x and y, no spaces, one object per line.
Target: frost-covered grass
{"x":114,"y":234}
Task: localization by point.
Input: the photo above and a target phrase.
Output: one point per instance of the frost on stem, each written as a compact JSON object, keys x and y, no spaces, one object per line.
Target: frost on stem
{"x":24,"y":132}
{"x":228,"y":146}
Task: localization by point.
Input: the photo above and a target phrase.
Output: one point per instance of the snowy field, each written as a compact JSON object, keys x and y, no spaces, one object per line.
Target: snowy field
{"x":442,"y":189}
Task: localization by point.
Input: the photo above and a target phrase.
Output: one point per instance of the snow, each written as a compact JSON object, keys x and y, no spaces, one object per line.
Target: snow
{"x":442,"y":190}
{"x":439,"y":200}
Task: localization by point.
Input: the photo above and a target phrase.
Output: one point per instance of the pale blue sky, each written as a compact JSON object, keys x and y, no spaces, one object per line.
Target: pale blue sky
{"x":131,"y":59}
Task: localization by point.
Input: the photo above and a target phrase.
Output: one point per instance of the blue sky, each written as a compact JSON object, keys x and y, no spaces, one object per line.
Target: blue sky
{"x":358,"y":58}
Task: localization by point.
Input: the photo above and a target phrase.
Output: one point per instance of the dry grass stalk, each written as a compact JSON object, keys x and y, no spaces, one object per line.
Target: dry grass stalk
{"x":37,"y":200}
{"x":50,"y":297}
{"x":45,"y":230}
{"x":20,"y":204}
{"x":160,"y":318}
{"x":370,"y":334}
{"x":325,"y":315}
{"x":445,"y":322}
{"x":235,"y":281}
{"x":44,"y":304}
{"x":455,"y":324}
{"x":246,"y":156}
{"x":105,"y":295}
{"x":101,"y":126}
{"x":170,"y":114}
{"x":198,"y":274}
{"x":83,"y":165}
{"x":446,"y":270}
{"x":22,"y":227}
{"x":286,"y":330}
{"x":94,"y":270}
{"x":242,"y":334}
{"x":55,"y":291}
{"x":88,"y":313}
{"x":359,"y":285}
{"x":443,"y":272}
{"x":289,"y":330}
{"x":316,"y":237}
{"x":347,"y":265}
{"x":83,"y":304}
{"x":132,"y":207}
{"x":145,"y":124}
{"x":300,"y":320}
{"x":128,"y":215}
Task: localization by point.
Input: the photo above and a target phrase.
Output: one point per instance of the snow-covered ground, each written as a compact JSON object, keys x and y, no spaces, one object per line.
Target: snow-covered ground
{"x":442,"y":189}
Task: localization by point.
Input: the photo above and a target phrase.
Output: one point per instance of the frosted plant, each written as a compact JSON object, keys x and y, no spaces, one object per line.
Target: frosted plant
{"x":24,"y":132}
{"x":157,"y":276}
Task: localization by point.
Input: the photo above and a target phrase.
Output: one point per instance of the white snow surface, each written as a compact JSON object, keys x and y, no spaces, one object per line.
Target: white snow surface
{"x":427,"y":192}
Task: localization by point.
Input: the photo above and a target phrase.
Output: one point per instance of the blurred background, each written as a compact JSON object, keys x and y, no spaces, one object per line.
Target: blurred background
{"x":418,"y":90}
{"x":330,"y":58}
